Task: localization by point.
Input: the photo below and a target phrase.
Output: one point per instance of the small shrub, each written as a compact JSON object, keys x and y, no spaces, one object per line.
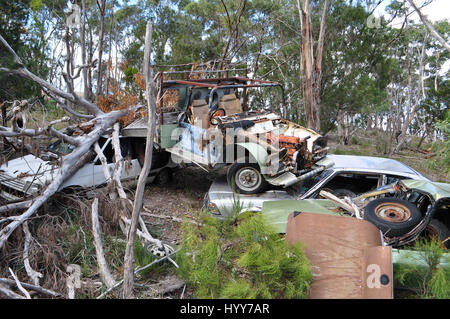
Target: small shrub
{"x":425,"y":272}
{"x":242,"y":258}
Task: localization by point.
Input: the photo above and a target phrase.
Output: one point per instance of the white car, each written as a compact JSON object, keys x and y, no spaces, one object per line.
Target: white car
{"x":348,"y":175}
{"x":25,"y":177}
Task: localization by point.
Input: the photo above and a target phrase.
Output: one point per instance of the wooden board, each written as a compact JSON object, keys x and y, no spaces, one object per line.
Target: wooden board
{"x":346,"y":254}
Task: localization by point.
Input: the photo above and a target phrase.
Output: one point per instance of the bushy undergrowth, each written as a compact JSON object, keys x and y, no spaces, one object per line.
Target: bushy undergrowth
{"x":241,"y":258}
{"x":424,"y":271}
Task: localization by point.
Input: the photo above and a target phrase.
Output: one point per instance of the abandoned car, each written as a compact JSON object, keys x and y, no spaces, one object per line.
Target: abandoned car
{"x":403,"y":211}
{"x":347,"y":175}
{"x":25,"y":177}
{"x":207,"y":122}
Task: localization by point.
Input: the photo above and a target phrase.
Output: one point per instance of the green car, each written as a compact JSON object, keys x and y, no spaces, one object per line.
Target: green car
{"x":402,"y":211}
{"x":412,"y":208}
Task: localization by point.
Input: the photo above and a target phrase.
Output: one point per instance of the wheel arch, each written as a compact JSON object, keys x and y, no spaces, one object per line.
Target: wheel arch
{"x":254,"y":152}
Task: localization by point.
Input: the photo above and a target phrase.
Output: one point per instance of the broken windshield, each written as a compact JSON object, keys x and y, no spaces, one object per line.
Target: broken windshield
{"x":61,"y":148}
{"x":311,"y":182}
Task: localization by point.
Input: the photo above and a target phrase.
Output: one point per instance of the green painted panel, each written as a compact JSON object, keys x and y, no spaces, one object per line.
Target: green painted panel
{"x":275,"y":213}
{"x":166,"y":134}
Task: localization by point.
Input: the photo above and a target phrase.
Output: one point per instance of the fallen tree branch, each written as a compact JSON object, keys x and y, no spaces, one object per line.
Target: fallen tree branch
{"x":23,"y":290}
{"x":35,"y":288}
{"x":48,"y":131}
{"x":105,"y":273}
{"x":353,"y":205}
{"x":338,"y":201}
{"x":67,"y":108}
{"x":14,"y":206}
{"x":138,"y":270}
{"x":70,"y":164}
{"x":167,"y":285}
{"x":34,"y":275}
{"x":142,"y":234}
{"x":9,"y":293}
{"x":24,"y":72}
{"x":103,"y":161}
{"x":119,"y":161}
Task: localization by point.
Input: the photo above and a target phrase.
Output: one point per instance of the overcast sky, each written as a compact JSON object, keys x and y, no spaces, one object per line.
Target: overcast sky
{"x":436,"y":10}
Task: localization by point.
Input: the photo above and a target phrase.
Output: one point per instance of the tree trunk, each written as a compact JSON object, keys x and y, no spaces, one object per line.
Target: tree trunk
{"x":86,"y":91}
{"x":90,"y":59}
{"x":430,"y":27}
{"x":311,"y":68}
{"x":110,"y":47}
{"x":410,"y":115}
{"x":137,"y":206}
{"x":101,"y":6}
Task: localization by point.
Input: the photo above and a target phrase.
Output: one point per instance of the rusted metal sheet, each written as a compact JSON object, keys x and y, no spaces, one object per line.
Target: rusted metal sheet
{"x":346,"y":254}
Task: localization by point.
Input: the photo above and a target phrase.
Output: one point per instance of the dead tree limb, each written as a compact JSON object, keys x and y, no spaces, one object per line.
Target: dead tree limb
{"x":14,"y":207}
{"x":38,"y":289}
{"x":104,"y":270}
{"x":129,"y":253}
{"x":138,"y":270}
{"x":24,"y":72}
{"x":9,"y":293}
{"x":119,"y":161}
{"x":430,"y":27}
{"x":19,"y":286}
{"x":70,"y":164}
{"x":338,"y":201}
{"x":168,"y":284}
{"x":103,"y":161}
{"x":34,"y":275}
{"x":144,"y":234}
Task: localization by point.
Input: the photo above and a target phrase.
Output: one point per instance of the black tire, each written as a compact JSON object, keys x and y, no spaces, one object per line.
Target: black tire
{"x":437,"y":230}
{"x":342,"y":192}
{"x":393,"y":216}
{"x":236,"y":174}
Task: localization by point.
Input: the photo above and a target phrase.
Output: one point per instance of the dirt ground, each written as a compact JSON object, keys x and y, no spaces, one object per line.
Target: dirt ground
{"x":182,"y":197}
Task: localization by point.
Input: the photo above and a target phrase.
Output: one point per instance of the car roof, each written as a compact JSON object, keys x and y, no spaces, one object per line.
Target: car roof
{"x":370,"y":163}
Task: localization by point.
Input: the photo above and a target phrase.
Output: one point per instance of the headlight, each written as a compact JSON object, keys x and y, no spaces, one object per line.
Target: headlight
{"x":213,"y":209}
{"x":210,"y":207}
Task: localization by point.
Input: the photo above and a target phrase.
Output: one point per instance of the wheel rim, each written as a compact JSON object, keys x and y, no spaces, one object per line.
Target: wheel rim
{"x":392,"y":212}
{"x":248,"y":178}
